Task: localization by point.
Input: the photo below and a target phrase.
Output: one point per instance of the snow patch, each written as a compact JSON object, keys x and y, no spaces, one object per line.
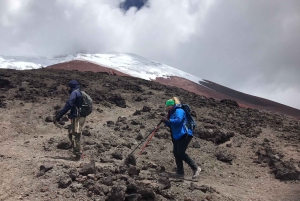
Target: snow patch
{"x":127,"y":63}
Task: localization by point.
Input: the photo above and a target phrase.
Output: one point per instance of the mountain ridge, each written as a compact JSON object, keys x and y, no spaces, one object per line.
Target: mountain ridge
{"x":128,"y":64}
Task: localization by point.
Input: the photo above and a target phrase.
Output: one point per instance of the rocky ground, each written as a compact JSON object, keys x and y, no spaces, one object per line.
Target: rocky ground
{"x":245,"y":154}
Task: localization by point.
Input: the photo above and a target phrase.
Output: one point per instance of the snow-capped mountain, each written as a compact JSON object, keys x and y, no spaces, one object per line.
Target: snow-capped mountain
{"x":137,"y":66}
{"x":130,"y":64}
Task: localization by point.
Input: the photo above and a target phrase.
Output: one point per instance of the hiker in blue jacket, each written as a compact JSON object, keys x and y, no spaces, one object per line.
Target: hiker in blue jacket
{"x":181,"y":136}
{"x":77,"y":122}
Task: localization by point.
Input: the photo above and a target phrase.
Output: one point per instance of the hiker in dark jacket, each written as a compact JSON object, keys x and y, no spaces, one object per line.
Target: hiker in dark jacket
{"x":181,"y":136}
{"x":77,"y":122}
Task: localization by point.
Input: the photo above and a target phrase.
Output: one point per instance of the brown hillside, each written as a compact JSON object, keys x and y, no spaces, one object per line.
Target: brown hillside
{"x":246,"y":154}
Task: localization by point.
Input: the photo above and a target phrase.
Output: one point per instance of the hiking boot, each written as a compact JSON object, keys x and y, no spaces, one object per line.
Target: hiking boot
{"x":77,"y":157}
{"x":196,"y":173}
{"x":179,"y":176}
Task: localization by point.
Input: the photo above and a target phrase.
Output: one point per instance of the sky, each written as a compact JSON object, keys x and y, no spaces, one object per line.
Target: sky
{"x":251,"y":46}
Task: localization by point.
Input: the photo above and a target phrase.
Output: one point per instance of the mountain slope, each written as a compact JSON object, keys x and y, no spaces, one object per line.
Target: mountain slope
{"x":137,"y":66}
{"x":245,"y":154}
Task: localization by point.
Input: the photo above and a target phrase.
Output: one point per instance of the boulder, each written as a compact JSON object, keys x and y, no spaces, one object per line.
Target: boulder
{"x":89,"y":168}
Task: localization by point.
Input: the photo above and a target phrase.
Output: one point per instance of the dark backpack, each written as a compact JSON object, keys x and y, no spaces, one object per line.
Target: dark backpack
{"x":190,"y":122}
{"x":86,"y":107}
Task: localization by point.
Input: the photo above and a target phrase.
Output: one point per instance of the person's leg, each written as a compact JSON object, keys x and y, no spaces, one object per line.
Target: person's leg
{"x":78,"y":125}
{"x":182,"y":145}
{"x":178,"y":160}
{"x":71,"y":128}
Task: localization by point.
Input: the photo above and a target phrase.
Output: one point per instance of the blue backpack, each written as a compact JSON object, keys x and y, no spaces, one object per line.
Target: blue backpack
{"x":190,"y":122}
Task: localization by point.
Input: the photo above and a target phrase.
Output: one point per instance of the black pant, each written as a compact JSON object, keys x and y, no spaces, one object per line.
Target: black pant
{"x":179,"y":148}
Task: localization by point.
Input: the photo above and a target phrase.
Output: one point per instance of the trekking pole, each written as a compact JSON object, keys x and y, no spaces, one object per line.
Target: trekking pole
{"x":154,"y":130}
{"x":152,"y":134}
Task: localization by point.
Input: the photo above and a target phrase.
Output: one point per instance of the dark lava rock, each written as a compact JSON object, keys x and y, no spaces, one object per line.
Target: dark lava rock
{"x":203,"y":188}
{"x":64,"y":145}
{"x":164,"y":183}
{"x":117,"y":193}
{"x":138,"y":98}
{"x":64,"y":181}
{"x":108,"y":181}
{"x":5,"y":83}
{"x":89,"y":168}
{"x":133,"y":197}
{"x":217,"y":136}
{"x":196,"y":144}
{"x":110,"y":123}
{"x":230,"y":103}
{"x":118,"y":100}
{"x":139,"y":136}
{"x":130,"y":160}
{"x":49,"y":119}
{"x":75,"y":187}
{"x":46,"y":167}
{"x":283,"y":170}
{"x":117,"y":155}
{"x":122,"y":119}
{"x":73,"y":173}
{"x":100,"y":189}
{"x":137,"y":112}
{"x":90,"y":142}
{"x":135,"y":122}
{"x":133,"y":171}
{"x":22,"y":89}
{"x":146,"y":109}
{"x":224,"y":156}
{"x":147,"y":191}
{"x":86,"y":132}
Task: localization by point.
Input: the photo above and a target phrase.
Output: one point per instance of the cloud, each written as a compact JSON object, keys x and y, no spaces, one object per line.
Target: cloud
{"x":245,"y":45}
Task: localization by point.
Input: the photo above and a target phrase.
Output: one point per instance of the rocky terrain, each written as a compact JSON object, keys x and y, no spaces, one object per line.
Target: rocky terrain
{"x":245,"y":154}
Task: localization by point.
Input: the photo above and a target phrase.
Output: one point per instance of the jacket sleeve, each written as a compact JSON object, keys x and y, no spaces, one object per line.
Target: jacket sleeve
{"x":177,"y":118}
{"x":69,"y":104}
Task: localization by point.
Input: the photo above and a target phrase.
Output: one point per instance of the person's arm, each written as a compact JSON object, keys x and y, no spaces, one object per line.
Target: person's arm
{"x":69,"y":104}
{"x":178,"y":117}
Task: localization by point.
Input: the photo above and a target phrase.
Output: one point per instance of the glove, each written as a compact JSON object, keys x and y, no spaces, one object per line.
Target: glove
{"x":57,"y":118}
{"x":164,"y":119}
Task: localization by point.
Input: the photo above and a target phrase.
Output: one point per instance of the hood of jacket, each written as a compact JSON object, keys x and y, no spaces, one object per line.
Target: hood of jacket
{"x":73,"y":84}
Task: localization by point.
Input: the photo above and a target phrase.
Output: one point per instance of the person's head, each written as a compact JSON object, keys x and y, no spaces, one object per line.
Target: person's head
{"x":72,"y":85}
{"x":170,"y":104}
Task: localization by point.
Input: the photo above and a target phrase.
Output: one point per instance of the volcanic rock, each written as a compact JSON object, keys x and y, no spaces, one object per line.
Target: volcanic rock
{"x":64,"y":145}
{"x":224,"y":156}
{"x":64,"y":181}
{"x":133,"y":171}
{"x":117,"y":193}
{"x":89,"y":168}
{"x":117,"y":155}
{"x":146,"y":109}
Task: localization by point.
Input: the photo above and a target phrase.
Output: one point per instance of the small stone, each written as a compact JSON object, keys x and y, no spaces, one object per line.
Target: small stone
{"x":146,"y":109}
{"x":196,"y":144}
{"x":64,"y":181}
{"x":140,"y":136}
{"x":117,"y":155}
{"x":49,"y":119}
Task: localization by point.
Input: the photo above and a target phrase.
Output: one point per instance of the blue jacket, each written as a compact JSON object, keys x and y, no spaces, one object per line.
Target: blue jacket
{"x":177,"y":122}
{"x":74,"y":100}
